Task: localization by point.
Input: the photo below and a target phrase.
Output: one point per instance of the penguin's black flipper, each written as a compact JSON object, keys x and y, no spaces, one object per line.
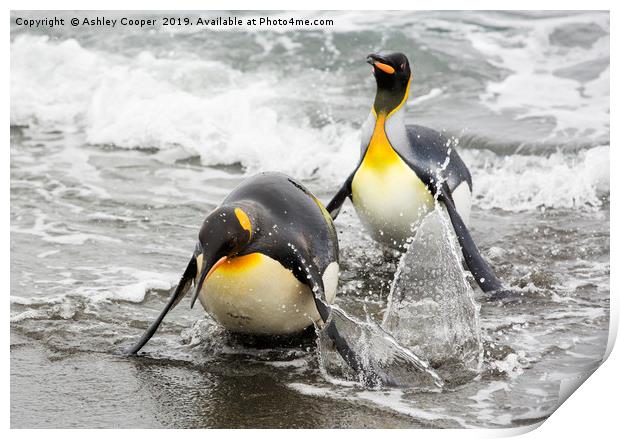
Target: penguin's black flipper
{"x":335,"y":204}
{"x":342,"y":346}
{"x":315,"y":282}
{"x":182,"y":288}
{"x":478,"y":267}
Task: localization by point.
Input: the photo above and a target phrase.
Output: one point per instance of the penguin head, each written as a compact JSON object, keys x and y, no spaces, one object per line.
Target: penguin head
{"x":393,"y":75}
{"x":224,"y":234}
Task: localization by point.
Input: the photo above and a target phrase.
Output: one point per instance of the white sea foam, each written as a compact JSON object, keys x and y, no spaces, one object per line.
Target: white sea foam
{"x":298,"y":363}
{"x":544,"y":77}
{"x":58,"y":234}
{"x":136,"y":283}
{"x":115,"y":283}
{"x":511,"y":366}
{"x":522,"y":182}
{"x":145,"y":103}
{"x":188,"y":106}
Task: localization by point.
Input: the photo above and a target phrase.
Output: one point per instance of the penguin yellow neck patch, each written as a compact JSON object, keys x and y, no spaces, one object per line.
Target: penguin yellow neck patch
{"x":238,"y":263}
{"x":243,"y":219}
{"x":227,"y":266}
{"x":380,"y":153}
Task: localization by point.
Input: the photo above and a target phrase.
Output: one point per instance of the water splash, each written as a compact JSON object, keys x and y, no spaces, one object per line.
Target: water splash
{"x":431,"y":308}
{"x":384,"y":360}
{"x":430,"y":334}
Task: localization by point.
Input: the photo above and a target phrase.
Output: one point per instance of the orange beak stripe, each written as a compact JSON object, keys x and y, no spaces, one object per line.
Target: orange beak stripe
{"x":215,"y":267}
{"x":384,"y":67}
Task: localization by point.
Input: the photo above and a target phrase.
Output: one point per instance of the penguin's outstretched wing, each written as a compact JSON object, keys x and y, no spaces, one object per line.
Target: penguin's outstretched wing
{"x":335,"y":204}
{"x":430,"y":149}
{"x":478,"y":267}
{"x":182,"y":288}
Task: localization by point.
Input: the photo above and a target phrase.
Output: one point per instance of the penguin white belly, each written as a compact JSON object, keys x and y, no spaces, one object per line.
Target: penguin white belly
{"x":255,"y":294}
{"x":388,"y":201}
{"x":387,"y":194}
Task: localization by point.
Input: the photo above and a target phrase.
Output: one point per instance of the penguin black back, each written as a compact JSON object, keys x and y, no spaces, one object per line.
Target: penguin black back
{"x":287,"y":217}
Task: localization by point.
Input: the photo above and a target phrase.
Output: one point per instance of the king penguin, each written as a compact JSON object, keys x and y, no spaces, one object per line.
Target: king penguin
{"x":404,"y":168}
{"x":266,"y":262}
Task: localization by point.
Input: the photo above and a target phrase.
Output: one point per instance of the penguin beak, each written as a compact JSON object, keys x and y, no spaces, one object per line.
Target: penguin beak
{"x":377,"y":62}
{"x":209,"y":265}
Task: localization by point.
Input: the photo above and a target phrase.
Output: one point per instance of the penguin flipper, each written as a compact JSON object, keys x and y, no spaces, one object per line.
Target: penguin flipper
{"x":335,"y":204}
{"x":479,"y":268}
{"x":182,"y":288}
{"x":315,"y":282}
{"x":430,"y":149}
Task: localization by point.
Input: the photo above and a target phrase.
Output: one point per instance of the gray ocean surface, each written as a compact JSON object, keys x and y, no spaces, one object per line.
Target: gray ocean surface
{"x":122,"y":140}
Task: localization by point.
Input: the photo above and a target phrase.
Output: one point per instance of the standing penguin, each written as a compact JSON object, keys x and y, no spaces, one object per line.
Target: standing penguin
{"x":266,"y":262}
{"x":403,"y":168}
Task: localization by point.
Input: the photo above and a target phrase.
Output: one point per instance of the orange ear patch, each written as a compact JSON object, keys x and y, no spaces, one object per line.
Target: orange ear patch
{"x":243,"y":219}
{"x":384,"y":67}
